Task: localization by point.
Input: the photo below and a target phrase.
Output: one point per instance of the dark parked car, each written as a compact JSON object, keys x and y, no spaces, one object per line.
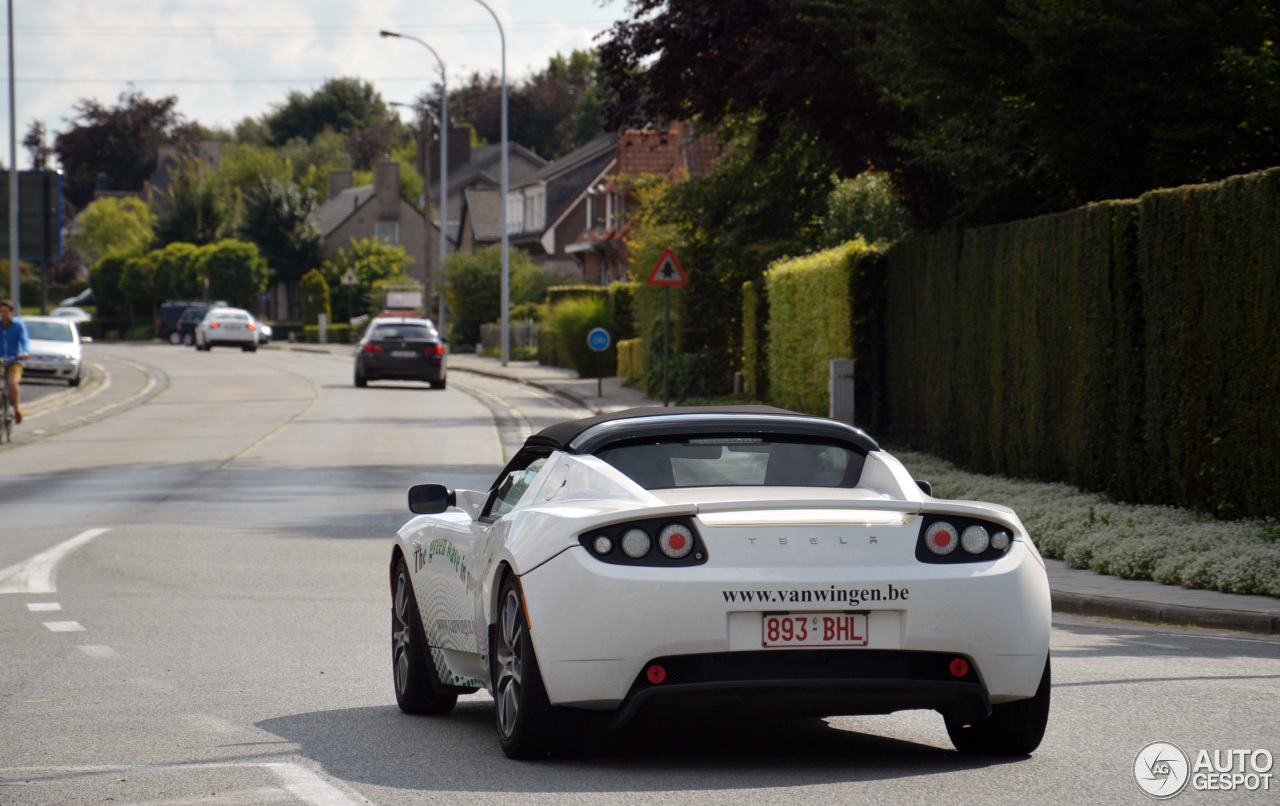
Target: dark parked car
{"x":171,"y":314}
{"x":400,"y":349}
{"x":186,"y":330}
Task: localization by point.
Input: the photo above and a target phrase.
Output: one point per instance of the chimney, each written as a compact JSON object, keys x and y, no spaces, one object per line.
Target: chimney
{"x":386,"y":186}
{"x":338,"y":182}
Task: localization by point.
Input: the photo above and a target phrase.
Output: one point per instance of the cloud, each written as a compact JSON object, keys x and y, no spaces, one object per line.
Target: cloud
{"x":229,"y":59}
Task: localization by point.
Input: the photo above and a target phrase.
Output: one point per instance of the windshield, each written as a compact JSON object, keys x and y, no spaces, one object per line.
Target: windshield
{"x":49,"y":331}
{"x":234,"y":317}
{"x":748,"y":461}
{"x":403,"y":332}
{"x":193,"y":315}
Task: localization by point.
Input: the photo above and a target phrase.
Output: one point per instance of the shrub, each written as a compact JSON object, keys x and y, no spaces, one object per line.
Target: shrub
{"x":633,"y":358}
{"x":811,"y":321}
{"x":570,"y":321}
{"x":337,"y":334}
{"x":313,"y":293}
{"x":560,"y":293}
{"x":235,"y":270}
{"x":474,"y":288}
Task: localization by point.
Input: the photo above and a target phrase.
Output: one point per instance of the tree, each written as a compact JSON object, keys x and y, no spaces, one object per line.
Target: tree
{"x":277,"y":217}
{"x":137,"y":285}
{"x":552,"y":112}
{"x":112,"y":225}
{"x":119,"y":142}
{"x":37,"y":148}
{"x":235,"y":270}
{"x":371,"y":260}
{"x":345,"y":105}
{"x":475,"y":288}
{"x":105,"y":279}
{"x":314,"y":293}
{"x":177,"y":271}
{"x":200,"y":209}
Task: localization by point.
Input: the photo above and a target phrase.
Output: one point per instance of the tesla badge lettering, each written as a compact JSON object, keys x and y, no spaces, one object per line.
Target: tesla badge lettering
{"x":813,"y":541}
{"x":782,"y":541}
{"x":873,"y":540}
{"x":419,"y":559}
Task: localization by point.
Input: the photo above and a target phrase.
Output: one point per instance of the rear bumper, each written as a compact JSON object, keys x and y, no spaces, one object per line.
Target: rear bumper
{"x":806,"y":684}
{"x":406,"y":370}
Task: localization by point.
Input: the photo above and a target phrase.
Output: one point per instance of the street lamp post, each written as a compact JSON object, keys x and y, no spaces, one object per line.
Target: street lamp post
{"x":15,"y":283}
{"x":444,"y":171}
{"x":506,"y":262}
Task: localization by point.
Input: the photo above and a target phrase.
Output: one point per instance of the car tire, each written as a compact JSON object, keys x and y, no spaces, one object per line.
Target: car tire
{"x":1013,"y":729}
{"x":188,"y":339}
{"x":529,"y":726}
{"x":410,"y":668}
{"x":250,"y":348}
{"x":74,"y":382}
{"x":440,"y":384}
{"x":175,"y":337}
{"x":361,"y":381}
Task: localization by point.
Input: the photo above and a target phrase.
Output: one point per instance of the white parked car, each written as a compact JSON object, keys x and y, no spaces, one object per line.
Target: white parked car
{"x":55,"y":349}
{"x":748,"y":559}
{"x":227,"y":327}
{"x":77,"y":315}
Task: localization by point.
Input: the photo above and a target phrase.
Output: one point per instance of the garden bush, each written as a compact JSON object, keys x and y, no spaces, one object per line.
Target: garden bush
{"x":569,"y":322}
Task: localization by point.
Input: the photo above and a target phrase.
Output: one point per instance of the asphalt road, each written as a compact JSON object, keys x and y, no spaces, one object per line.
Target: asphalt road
{"x":226,"y":640}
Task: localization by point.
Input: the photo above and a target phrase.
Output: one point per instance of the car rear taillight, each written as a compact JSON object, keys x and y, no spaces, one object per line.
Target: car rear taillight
{"x":433,"y":349}
{"x":941,"y":535}
{"x":213,"y":324}
{"x":372,"y":348}
{"x":251,"y":327}
{"x":631,"y":543}
{"x":159,"y":324}
{"x":941,"y":538}
{"x":656,"y":674}
{"x":959,"y":667}
{"x":675,"y":540}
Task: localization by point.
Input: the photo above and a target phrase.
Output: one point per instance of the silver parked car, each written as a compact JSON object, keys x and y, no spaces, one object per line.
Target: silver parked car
{"x":227,"y":327}
{"x":55,"y":349}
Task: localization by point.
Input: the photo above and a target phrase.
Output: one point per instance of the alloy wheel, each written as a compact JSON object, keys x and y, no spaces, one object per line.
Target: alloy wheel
{"x":400,"y":634}
{"x":510,"y":666}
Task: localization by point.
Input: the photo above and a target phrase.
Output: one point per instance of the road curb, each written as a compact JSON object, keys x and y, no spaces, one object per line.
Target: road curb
{"x":1079,"y":604}
{"x":580,"y":402}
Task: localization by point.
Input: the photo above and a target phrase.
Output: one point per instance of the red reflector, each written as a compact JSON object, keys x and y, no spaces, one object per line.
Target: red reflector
{"x":656,"y":674}
{"x":959,"y":667}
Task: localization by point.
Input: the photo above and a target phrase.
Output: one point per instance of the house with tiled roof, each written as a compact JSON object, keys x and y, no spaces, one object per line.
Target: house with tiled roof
{"x":374,"y":211}
{"x":601,"y":214}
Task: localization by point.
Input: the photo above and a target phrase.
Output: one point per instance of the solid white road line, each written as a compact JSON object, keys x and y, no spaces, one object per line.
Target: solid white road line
{"x":241,"y":797}
{"x":36,"y":607}
{"x":36,"y":574}
{"x":97,"y":651}
{"x":64,"y":626}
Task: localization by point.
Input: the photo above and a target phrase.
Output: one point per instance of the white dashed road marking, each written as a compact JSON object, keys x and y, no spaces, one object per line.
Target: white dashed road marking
{"x":64,"y":626}
{"x":36,"y":575}
{"x":36,"y":607}
{"x":97,"y":651}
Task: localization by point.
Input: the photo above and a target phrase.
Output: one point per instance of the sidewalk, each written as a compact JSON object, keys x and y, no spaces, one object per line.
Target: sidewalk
{"x":1077,"y":592}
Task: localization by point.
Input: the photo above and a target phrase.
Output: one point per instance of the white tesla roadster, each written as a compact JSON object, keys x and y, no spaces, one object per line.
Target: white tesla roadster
{"x":742,"y":558}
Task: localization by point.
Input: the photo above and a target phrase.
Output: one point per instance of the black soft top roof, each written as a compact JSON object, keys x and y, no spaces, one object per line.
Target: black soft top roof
{"x":562,"y":436}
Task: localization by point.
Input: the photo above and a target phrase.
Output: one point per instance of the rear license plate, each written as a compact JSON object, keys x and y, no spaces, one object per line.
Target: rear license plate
{"x":403,"y":354}
{"x":813,"y":629}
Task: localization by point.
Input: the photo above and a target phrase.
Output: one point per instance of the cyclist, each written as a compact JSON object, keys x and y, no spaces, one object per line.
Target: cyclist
{"x":15,"y":347}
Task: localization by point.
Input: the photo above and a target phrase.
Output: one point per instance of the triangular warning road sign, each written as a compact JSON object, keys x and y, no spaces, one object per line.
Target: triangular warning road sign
{"x":668,"y":271}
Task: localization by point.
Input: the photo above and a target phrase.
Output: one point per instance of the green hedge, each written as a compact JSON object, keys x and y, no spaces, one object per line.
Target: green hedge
{"x":569,"y":322}
{"x":755,"y":359}
{"x":811,"y":321}
{"x":633,"y":358}
{"x":337,"y":334}
{"x":560,"y":293}
{"x":1128,"y":347}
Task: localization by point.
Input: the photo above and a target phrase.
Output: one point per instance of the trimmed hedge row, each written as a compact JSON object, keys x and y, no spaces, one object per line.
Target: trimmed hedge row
{"x":811,"y":321}
{"x":633,"y":358}
{"x":754,"y":340}
{"x":1129,"y":346}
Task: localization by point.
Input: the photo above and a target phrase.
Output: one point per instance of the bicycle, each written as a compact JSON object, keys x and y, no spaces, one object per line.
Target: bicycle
{"x":6,"y":405}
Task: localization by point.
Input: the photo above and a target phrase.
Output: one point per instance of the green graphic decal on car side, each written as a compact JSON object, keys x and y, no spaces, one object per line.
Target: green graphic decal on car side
{"x":445,"y":675}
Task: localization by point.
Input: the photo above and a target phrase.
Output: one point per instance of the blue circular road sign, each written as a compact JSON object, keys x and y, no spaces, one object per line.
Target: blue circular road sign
{"x":598,"y":340}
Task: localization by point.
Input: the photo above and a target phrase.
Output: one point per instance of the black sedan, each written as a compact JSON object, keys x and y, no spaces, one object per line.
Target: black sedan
{"x":400,"y":349}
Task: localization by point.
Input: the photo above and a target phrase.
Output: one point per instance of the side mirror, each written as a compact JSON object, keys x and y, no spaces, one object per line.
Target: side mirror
{"x":430,"y":499}
{"x":925,"y":486}
{"x":86,"y":339}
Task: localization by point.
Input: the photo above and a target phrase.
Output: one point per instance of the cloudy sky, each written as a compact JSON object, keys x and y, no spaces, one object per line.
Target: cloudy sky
{"x":228,"y":59}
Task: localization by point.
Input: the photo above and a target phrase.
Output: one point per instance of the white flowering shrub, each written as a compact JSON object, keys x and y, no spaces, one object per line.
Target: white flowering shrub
{"x":1088,"y":530}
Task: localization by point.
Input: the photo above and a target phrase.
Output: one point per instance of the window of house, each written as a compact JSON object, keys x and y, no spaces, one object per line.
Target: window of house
{"x":387,"y":231}
{"x":515,"y":211}
{"x":535,"y":210}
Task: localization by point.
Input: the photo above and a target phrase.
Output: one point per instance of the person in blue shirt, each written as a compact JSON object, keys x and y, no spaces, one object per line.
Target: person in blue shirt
{"x":15,"y":347}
